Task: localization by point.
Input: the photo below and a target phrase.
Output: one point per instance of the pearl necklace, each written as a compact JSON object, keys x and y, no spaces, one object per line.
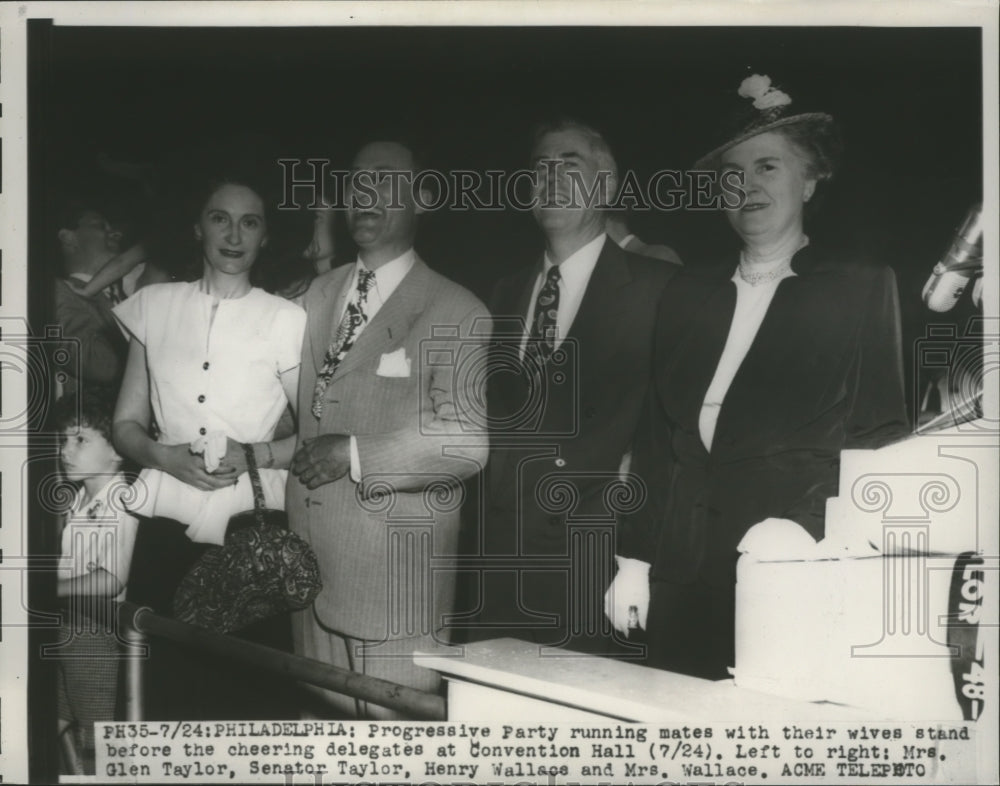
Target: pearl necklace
{"x":774,"y":270}
{"x":757,"y":277}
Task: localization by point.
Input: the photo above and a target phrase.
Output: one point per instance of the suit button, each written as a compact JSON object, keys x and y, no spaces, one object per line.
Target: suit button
{"x":203,"y":431}
{"x":205,"y":365}
{"x":201,"y":399}
{"x":560,"y":462}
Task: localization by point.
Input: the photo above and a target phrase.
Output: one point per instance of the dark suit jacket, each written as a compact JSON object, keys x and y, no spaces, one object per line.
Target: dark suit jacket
{"x":556,"y":449}
{"x":90,"y":325}
{"x":824,"y":373}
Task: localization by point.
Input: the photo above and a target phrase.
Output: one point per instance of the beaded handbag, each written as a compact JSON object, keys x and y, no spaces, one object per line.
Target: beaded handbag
{"x":261,"y":570}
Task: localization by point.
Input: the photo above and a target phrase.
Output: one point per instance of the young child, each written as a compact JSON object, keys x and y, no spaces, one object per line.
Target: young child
{"x":97,"y":540}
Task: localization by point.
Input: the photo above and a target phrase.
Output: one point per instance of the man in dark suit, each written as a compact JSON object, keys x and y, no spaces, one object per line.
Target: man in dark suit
{"x":87,"y":242}
{"x":570,"y":364}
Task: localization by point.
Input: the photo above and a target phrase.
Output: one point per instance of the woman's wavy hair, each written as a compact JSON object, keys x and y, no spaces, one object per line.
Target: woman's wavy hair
{"x":820,"y":144}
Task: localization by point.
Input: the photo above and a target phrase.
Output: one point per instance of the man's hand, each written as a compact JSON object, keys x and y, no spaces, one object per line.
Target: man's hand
{"x":322,"y":460}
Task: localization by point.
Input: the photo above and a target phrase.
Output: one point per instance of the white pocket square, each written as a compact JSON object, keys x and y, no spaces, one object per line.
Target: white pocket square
{"x":394,"y":364}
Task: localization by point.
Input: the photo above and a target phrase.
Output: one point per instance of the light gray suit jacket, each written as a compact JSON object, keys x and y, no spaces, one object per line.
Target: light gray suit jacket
{"x":385,"y":544}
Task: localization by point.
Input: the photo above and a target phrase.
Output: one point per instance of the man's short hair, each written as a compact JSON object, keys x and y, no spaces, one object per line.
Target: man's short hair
{"x":598,"y":144}
{"x":417,"y":149}
{"x":71,"y":210}
{"x":396,"y":135}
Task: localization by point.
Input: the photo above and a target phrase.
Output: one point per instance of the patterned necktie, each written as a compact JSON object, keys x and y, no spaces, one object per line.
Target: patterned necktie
{"x":350,"y":326}
{"x":542,"y":339}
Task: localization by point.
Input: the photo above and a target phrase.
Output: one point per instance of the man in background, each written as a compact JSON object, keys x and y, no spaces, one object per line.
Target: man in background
{"x":617,"y":228}
{"x":87,"y":242}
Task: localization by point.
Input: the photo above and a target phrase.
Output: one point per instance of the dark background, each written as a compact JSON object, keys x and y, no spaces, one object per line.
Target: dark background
{"x":908,"y":102}
{"x":191,"y":100}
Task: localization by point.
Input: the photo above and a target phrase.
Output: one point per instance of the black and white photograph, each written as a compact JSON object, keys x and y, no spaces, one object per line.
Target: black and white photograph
{"x":499,"y":393}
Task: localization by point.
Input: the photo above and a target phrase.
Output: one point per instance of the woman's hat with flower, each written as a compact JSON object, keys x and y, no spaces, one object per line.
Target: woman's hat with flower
{"x":759,"y":107}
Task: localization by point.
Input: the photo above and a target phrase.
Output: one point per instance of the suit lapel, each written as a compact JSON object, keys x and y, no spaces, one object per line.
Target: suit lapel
{"x":686,"y":369}
{"x":392,"y":322}
{"x":762,"y":383}
{"x":594,"y":326}
{"x":325,"y":314}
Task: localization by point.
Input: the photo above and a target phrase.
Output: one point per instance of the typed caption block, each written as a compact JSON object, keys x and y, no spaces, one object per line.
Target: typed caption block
{"x":317,"y":752}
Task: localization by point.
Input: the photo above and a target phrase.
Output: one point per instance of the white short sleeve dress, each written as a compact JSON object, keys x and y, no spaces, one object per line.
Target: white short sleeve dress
{"x":207,"y":375}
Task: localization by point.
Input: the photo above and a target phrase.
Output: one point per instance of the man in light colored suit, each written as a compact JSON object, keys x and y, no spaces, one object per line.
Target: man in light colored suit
{"x":390,"y":421}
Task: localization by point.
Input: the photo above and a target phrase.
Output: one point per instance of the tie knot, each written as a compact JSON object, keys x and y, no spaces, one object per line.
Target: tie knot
{"x":365,"y":280}
{"x":553,"y":276}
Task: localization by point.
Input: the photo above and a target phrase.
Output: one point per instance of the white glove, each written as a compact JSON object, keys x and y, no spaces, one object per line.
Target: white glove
{"x":629,"y":589}
{"x":213,"y":446}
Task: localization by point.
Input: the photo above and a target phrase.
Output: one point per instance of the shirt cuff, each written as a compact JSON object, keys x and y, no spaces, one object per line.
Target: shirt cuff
{"x":355,"y":460}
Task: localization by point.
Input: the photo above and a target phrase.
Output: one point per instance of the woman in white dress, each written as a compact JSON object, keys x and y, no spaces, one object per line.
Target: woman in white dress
{"x":213,"y":363}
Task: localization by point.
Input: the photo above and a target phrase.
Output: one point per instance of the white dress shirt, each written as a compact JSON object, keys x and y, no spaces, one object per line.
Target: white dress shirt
{"x":387,"y":278}
{"x":752,"y":303}
{"x":574,"y":275}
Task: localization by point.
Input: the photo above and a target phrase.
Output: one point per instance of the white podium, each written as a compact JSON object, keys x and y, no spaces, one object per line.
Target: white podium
{"x":507,"y":680}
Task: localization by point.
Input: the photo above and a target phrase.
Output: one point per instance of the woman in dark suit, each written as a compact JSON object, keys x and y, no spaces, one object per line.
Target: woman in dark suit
{"x":765,"y":371}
